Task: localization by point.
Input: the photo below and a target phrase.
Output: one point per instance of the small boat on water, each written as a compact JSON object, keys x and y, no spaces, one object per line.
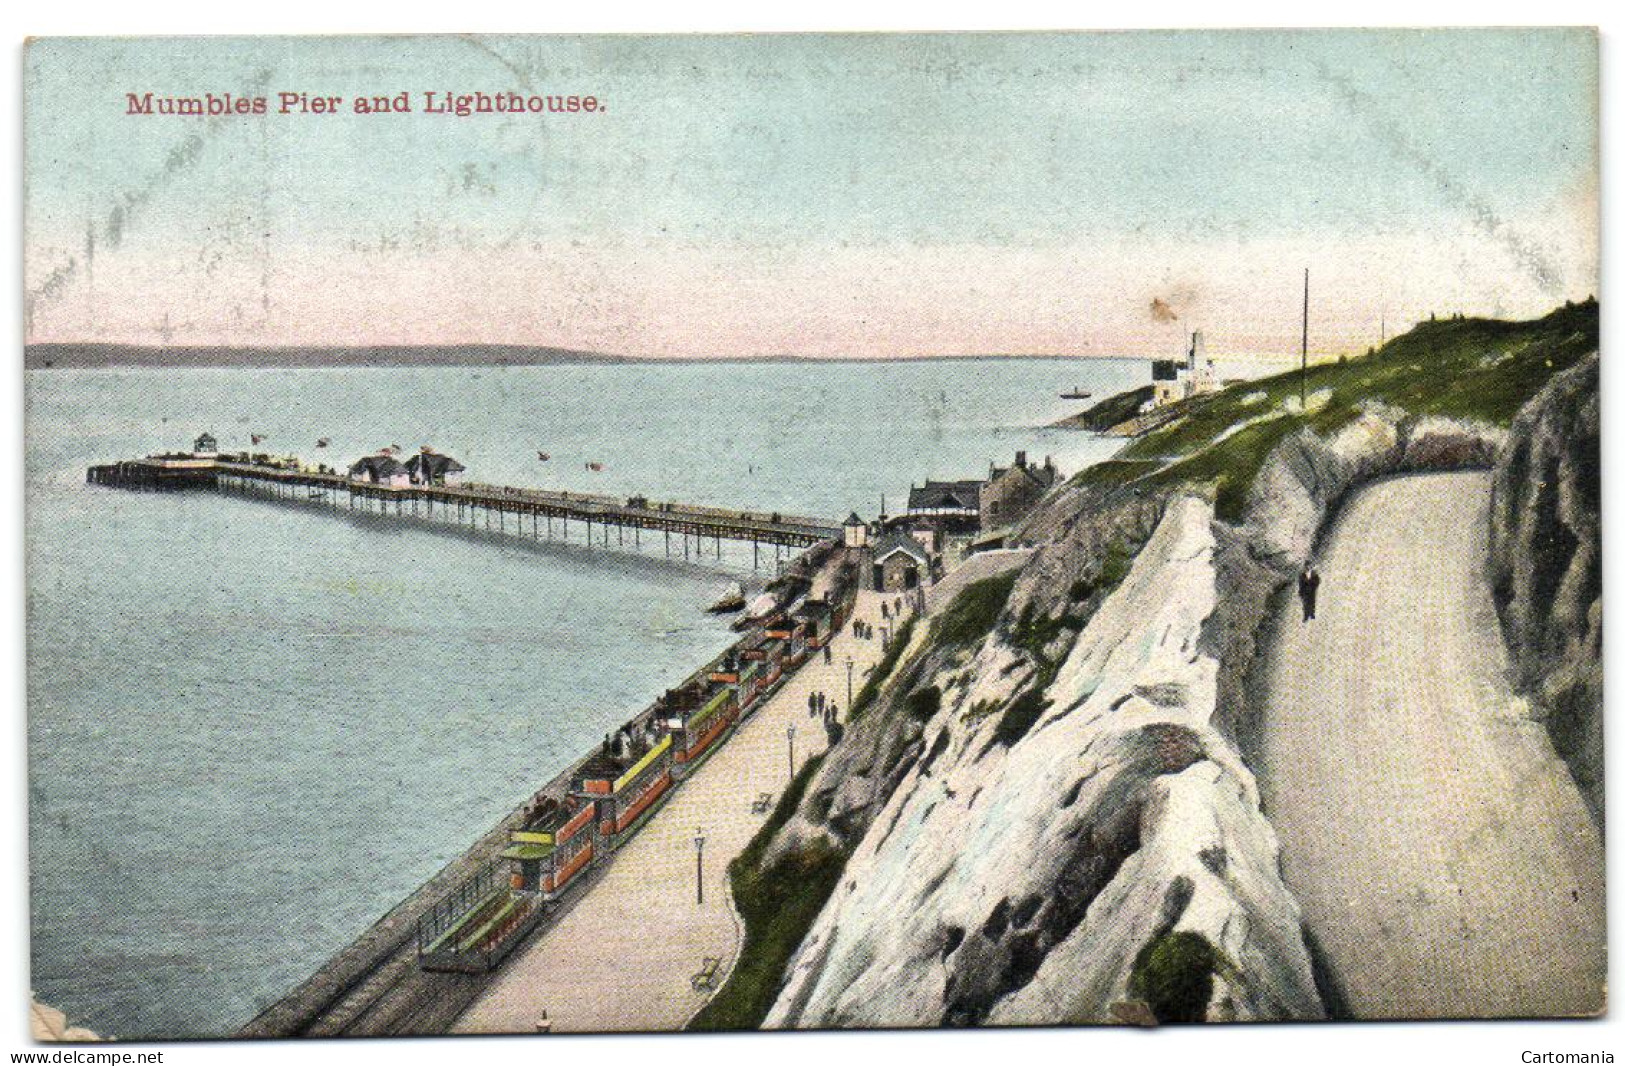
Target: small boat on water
{"x":731,"y":600}
{"x":759,"y":608}
{"x":1075,"y":394}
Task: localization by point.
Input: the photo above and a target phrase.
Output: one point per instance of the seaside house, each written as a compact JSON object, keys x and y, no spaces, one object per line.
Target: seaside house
{"x":1010,"y":492}
{"x":432,"y":468}
{"x":900,"y":564}
{"x":940,"y":509}
{"x":951,"y":506}
{"x":380,"y":470}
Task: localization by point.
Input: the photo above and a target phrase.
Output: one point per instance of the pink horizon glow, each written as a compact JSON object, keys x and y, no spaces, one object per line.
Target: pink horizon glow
{"x":863,"y":302}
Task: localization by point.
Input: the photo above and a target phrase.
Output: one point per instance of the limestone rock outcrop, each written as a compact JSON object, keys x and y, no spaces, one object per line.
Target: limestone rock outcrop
{"x":1546,"y":565}
{"x":1024,"y":872}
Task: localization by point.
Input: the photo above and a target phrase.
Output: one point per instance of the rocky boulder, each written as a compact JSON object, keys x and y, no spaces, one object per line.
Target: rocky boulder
{"x":1546,"y":565}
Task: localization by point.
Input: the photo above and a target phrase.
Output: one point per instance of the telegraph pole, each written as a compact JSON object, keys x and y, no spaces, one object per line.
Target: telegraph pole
{"x":1303,"y":374}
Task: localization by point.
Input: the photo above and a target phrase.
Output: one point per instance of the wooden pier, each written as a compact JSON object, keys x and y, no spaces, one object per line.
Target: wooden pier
{"x":527,"y":512}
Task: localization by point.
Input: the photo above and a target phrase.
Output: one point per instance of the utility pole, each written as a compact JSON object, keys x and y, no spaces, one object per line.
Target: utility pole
{"x":1303,"y":376}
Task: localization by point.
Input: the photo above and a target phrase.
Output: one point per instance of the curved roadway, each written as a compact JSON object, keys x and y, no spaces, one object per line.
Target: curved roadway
{"x":1445,"y":862}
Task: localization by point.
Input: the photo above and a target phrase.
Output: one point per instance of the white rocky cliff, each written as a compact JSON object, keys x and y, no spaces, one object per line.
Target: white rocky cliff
{"x":1104,"y":859}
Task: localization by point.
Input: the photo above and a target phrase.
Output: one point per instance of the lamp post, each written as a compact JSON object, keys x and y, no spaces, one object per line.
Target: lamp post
{"x":699,"y":866}
{"x":849,"y":663}
{"x":790,"y":735}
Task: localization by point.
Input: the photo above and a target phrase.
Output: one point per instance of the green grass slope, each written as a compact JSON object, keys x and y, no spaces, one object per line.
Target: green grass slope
{"x":1472,"y":368}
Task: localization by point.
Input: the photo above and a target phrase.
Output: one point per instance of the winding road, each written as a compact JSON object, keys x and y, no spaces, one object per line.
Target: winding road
{"x":1445,"y":861}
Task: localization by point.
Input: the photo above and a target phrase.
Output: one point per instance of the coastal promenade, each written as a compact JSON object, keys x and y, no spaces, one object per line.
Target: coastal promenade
{"x":1445,"y":862}
{"x":624,"y":956}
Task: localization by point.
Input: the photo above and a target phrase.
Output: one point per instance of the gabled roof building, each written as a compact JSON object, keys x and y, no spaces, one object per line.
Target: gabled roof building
{"x":380,"y":470}
{"x":432,"y":468}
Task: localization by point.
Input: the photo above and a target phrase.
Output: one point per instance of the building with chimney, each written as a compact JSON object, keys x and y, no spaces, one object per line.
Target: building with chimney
{"x":1011,"y":491}
{"x":1173,"y":380}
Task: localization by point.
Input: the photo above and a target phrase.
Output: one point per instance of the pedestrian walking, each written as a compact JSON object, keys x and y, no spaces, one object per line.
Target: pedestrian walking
{"x":1308,"y":590}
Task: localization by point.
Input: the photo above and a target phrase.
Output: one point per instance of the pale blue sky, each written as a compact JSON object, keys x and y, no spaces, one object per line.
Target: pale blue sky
{"x":826,"y":164}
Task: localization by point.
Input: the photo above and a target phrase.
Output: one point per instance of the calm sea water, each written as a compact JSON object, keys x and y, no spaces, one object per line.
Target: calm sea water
{"x":254,"y":728}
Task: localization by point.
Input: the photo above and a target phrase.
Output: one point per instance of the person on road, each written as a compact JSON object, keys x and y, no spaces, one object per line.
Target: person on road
{"x":1308,"y":589}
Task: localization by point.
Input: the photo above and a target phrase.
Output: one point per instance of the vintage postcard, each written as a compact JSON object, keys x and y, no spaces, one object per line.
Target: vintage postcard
{"x":819,"y":531}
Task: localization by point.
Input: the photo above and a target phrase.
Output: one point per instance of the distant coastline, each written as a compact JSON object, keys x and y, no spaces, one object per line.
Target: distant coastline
{"x":95,"y":355}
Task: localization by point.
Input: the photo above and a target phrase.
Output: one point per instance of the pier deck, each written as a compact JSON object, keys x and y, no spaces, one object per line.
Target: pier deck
{"x":466,"y":503}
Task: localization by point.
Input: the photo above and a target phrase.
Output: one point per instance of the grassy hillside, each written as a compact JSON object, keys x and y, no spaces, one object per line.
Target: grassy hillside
{"x":1476,"y":368}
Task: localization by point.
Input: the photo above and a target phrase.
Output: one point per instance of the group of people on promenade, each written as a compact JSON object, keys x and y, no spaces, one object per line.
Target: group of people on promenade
{"x":819,"y":705}
{"x":889,"y":610}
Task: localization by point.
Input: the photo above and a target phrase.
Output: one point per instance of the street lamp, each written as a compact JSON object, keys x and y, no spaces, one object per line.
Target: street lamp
{"x":699,"y":866}
{"x":849,"y":664}
{"x":790,"y":734}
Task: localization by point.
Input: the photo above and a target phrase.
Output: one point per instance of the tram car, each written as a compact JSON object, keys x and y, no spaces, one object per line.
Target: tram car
{"x":625,"y":779}
{"x":696,"y":715}
{"x":473,"y":927}
{"x":767,"y":654}
{"x":793,"y":633}
{"x":555,"y":844}
{"x":817,"y":621}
